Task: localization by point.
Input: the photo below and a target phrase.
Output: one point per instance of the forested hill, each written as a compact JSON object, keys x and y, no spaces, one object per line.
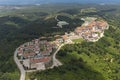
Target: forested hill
{"x":20,"y":25}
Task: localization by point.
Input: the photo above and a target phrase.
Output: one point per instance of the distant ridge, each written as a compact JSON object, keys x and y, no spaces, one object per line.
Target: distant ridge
{"x":24,"y":2}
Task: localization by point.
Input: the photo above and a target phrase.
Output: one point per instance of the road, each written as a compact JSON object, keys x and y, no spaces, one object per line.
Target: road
{"x":56,"y":62}
{"x":57,"y":18}
{"x":22,"y":71}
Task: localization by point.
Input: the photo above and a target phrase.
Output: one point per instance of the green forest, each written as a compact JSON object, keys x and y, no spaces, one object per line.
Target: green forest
{"x":83,"y":61}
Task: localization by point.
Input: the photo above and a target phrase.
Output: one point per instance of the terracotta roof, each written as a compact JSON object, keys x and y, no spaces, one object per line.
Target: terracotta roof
{"x":94,"y":31}
{"x":98,"y":23}
{"x":87,"y":30}
{"x":86,"y":33}
{"x":78,"y":29}
{"x":93,"y":23}
{"x":65,"y":37}
{"x":45,"y":52}
{"x":29,"y":54}
{"x":37,"y":60}
{"x":101,"y":23}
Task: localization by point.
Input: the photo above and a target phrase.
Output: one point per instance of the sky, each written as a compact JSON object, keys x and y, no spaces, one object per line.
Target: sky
{"x":55,"y":1}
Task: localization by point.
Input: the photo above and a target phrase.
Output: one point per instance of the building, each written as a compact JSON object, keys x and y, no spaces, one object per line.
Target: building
{"x":66,"y":39}
{"x":36,"y":54}
{"x":37,"y":63}
{"x":93,"y":31}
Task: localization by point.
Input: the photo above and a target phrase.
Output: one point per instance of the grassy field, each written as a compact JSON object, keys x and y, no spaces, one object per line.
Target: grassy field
{"x":78,"y":40}
{"x":99,"y":63}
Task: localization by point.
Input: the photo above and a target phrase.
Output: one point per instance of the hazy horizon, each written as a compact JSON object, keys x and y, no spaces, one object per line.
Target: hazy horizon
{"x":15,"y":2}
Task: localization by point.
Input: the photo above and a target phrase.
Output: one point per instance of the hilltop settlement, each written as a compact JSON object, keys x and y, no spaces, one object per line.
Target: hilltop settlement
{"x":38,"y":54}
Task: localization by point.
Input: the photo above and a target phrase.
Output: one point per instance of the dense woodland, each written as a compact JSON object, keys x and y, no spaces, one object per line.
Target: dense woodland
{"x":78,"y":59}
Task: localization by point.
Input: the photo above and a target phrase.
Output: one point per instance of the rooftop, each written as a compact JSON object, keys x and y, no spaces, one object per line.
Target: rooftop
{"x":38,"y":60}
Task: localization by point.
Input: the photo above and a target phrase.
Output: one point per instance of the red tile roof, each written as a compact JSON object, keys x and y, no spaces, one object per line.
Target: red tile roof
{"x":65,"y":37}
{"x":28,"y":54}
{"x":37,"y":60}
{"x":101,"y":23}
{"x":92,"y":24}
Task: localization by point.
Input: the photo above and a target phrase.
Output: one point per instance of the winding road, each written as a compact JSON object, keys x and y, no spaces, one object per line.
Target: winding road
{"x":22,"y":71}
{"x":56,"y":62}
{"x":57,"y":18}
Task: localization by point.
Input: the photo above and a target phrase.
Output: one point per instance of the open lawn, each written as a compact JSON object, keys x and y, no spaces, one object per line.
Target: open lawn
{"x":78,"y":40}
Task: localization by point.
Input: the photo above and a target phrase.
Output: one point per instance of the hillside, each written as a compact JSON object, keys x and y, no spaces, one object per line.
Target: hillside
{"x":19,"y":26}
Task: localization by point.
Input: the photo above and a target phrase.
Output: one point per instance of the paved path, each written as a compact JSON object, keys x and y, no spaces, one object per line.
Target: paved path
{"x":22,"y":71}
{"x":56,"y":62}
{"x":57,"y":18}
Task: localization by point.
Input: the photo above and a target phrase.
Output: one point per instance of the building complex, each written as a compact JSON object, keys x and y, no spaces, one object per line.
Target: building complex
{"x":37,"y":54}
